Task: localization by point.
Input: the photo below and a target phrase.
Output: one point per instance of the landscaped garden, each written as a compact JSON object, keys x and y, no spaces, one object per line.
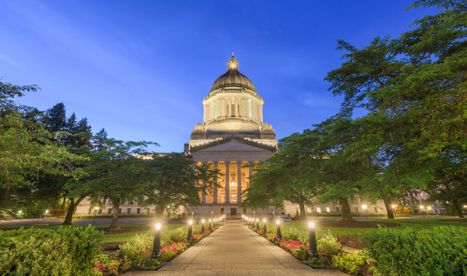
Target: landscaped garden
{"x":379,"y":247}
{"x":89,"y":250}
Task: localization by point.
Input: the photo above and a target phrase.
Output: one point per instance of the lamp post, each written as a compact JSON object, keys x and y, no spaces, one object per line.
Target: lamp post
{"x":157,"y":240}
{"x":96,"y":209}
{"x":278,"y":230}
{"x":257,"y":223}
{"x":190,"y":230}
{"x":422,"y":210}
{"x":312,"y":237}
{"x":202,"y":225}
{"x":265,"y":228}
{"x":365,"y":208}
{"x":210,"y":226}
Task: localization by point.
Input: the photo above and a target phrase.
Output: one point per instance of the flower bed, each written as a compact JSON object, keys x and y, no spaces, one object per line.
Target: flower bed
{"x":330,"y":252}
{"x":136,"y":254}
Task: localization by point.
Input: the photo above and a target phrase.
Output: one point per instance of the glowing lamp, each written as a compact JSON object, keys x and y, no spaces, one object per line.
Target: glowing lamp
{"x":311,"y":224}
{"x":158,"y":226}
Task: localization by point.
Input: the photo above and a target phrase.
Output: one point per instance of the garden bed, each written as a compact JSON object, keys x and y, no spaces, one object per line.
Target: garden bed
{"x":136,"y":253}
{"x":383,"y":251}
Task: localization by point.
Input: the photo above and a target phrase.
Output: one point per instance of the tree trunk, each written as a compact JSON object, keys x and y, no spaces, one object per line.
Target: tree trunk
{"x":389,"y":210}
{"x":302,"y":210}
{"x":160,"y":211}
{"x":71,"y":210}
{"x":346,"y":213}
{"x":115,"y":208}
{"x":69,"y":213}
{"x":458,"y":208}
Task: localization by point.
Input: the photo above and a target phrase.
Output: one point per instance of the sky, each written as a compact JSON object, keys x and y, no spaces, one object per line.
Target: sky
{"x":140,"y":69}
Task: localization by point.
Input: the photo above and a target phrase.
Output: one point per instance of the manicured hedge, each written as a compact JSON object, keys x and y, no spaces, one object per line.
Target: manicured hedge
{"x":436,"y":251}
{"x":61,"y":251}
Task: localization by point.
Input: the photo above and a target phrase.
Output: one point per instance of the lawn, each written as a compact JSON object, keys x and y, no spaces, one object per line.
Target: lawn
{"x":341,"y":229}
{"x":126,"y":231}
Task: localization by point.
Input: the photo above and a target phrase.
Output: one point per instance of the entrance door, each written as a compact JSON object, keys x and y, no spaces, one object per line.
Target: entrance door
{"x":233,"y":211}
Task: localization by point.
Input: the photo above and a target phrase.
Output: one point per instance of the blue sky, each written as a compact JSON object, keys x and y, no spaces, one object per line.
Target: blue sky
{"x":140,"y":69}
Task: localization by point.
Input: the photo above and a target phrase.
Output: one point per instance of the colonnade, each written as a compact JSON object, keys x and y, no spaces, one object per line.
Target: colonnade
{"x":230,"y":184}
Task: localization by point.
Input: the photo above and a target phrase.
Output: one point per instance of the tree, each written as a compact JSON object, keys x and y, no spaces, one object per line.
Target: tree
{"x":55,"y":119}
{"x":26,"y":151}
{"x":288,"y":175}
{"x":172,"y":179}
{"x":414,"y":86}
{"x":114,"y":173}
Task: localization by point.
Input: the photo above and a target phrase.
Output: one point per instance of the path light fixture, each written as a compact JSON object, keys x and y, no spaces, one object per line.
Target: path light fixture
{"x":157,"y":240}
{"x":422,"y":210}
{"x":210,"y":224}
{"x":257,"y":223}
{"x":265,"y":228}
{"x":312,"y":237}
{"x":190,"y":230}
{"x":202,"y":225}
{"x":365,"y":208}
{"x":96,"y":209}
{"x":278,"y":230}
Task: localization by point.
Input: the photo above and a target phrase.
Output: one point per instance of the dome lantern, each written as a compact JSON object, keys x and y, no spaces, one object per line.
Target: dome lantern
{"x":233,"y":63}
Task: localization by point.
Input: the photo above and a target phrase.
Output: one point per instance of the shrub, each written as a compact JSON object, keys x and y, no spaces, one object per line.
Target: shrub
{"x":105,"y":264}
{"x":319,"y":262}
{"x":62,"y":251}
{"x":437,"y":251}
{"x":328,"y":245}
{"x":352,"y":263}
{"x":178,"y":235}
{"x":291,"y":234}
{"x":137,"y":250}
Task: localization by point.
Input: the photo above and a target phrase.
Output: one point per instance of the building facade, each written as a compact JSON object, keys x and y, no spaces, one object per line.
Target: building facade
{"x":232,"y":139}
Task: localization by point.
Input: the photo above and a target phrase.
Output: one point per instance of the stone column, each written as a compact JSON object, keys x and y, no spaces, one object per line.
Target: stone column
{"x":239,"y":182}
{"x":215,"y":184}
{"x":250,"y":172}
{"x":227,"y":182}
{"x":203,"y":196}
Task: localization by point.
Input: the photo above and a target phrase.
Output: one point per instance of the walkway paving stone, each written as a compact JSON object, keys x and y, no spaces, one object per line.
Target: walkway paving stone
{"x":236,"y":250}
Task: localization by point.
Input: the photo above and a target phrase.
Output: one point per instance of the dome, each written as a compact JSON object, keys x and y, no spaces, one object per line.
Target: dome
{"x":233,"y":78}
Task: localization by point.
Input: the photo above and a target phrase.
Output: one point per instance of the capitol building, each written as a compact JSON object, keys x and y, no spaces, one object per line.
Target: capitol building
{"x":231,"y":139}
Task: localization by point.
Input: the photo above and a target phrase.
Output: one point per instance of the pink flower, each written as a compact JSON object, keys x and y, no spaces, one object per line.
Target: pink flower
{"x":101,"y":267}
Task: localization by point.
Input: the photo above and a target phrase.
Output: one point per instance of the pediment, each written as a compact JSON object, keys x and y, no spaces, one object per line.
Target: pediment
{"x":234,"y":145}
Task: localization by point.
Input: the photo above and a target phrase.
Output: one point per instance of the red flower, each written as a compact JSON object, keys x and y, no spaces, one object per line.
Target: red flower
{"x":101,"y":267}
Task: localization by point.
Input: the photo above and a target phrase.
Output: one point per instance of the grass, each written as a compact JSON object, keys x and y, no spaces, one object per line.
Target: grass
{"x":337,"y":228}
{"x":125,"y":233}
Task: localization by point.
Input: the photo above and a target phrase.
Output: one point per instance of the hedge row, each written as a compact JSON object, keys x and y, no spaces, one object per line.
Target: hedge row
{"x":436,"y":251}
{"x":62,"y":251}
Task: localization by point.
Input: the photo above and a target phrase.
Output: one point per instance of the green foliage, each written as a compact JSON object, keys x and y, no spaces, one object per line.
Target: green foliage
{"x":63,"y":251}
{"x":328,"y":245}
{"x":172,"y":179}
{"x":178,"y":235}
{"x":437,"y":251}
{"x":352,"y":262}
{"x":319,"y":262}
{"x":137,"y":250}
{"x":291,"y":234}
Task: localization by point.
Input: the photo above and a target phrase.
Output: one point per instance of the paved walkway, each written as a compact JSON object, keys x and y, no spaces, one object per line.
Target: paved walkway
{"x":236,"y":250}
